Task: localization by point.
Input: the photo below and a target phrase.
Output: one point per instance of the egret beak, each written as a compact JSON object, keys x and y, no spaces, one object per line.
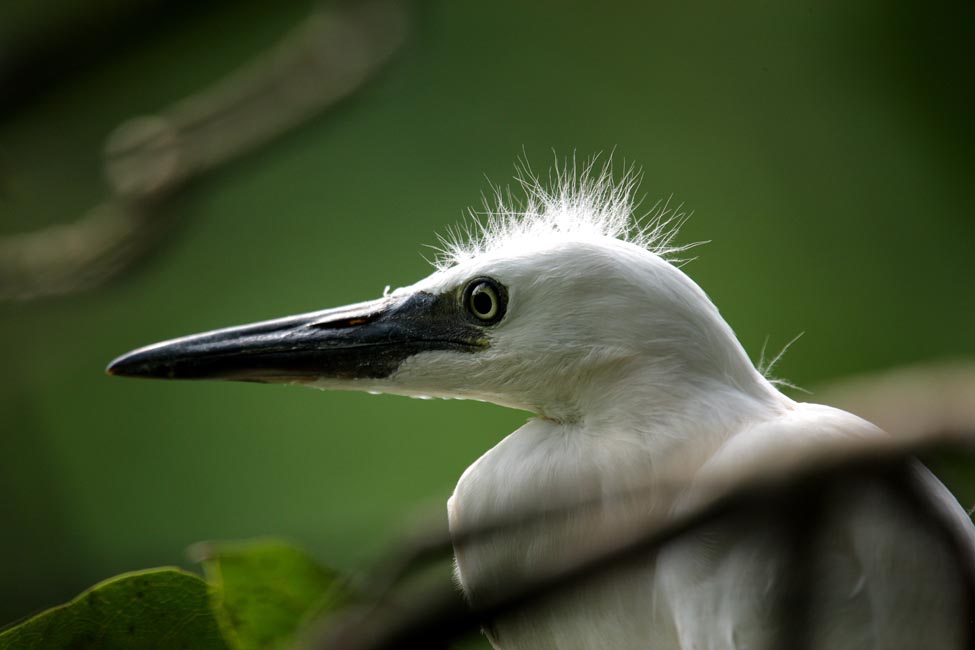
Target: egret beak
{"x":364,"y":341}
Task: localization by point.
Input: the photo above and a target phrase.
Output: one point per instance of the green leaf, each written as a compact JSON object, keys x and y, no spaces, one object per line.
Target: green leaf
{"x":153,"y":609}
{"x":266,"y":590}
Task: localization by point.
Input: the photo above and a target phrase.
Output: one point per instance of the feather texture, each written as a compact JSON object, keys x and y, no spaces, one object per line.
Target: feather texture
{"x":576,"y":202}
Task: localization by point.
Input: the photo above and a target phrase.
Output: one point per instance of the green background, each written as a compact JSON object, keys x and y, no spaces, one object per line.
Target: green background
{"x":825,"y":149}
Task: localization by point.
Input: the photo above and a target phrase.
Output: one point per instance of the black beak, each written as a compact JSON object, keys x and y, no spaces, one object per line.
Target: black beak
{"x":364,"y":341}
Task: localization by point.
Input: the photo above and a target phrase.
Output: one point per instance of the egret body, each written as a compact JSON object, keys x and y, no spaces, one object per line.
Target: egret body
{"x":567,"y":308}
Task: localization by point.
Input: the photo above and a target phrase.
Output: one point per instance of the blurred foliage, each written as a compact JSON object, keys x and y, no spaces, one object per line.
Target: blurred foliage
{"x":130,"y":612}
{"x":824,"y":147}
{"x":265,"y":591}
{"x":258,"y":596}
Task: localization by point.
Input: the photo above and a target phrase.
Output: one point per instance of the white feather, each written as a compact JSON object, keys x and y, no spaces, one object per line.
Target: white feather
{"x":575,"y":203}
{"x":639,"y":384}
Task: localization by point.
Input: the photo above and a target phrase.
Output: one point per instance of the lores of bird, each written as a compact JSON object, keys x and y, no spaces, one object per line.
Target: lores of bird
{"x":565,"y":306}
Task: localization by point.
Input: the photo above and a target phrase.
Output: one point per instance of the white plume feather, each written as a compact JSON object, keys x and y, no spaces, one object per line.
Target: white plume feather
{"x":574,"y":202}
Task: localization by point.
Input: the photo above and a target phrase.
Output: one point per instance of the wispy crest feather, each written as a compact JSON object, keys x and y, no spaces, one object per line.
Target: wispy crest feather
{"x":577,"y":202}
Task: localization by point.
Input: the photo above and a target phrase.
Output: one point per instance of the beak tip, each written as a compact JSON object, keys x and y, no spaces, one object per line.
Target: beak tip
{"x":119,"y":368}
{"x":130,"y":365}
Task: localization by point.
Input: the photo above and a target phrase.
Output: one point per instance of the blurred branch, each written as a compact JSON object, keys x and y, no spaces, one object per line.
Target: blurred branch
{"x":440,"y":615}
{"x":796,"y":595}
{"x":148,"y":159}
{"x":71,"y":257}
{"x":910,"y":402}
{"x":921,"y":407}
{"x":790,"y":491}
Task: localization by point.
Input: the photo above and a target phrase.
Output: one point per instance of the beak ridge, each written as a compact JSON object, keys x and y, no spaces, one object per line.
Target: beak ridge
{"x":367,"y":340}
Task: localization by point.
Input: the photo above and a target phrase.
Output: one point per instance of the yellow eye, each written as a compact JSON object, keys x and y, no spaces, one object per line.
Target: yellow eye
{"x":485,"y":300}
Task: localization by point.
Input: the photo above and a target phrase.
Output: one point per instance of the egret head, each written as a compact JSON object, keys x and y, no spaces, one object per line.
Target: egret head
{"x":551,"y":306}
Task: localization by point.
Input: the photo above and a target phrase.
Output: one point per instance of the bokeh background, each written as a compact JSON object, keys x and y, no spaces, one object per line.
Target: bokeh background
{"x":824,"y":147}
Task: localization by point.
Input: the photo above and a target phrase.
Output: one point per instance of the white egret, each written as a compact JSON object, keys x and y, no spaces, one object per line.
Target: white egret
{"x":566,"y":307}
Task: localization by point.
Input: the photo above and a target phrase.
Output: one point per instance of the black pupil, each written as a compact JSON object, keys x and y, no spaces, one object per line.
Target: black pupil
{"x":482,"y":302}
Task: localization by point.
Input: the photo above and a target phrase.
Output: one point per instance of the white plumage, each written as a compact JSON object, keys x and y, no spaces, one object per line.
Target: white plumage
{"x":638,"y":380}
{"x":639,"y":386}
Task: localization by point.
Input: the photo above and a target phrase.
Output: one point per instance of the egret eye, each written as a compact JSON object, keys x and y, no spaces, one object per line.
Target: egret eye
{"x":485,"y":299}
